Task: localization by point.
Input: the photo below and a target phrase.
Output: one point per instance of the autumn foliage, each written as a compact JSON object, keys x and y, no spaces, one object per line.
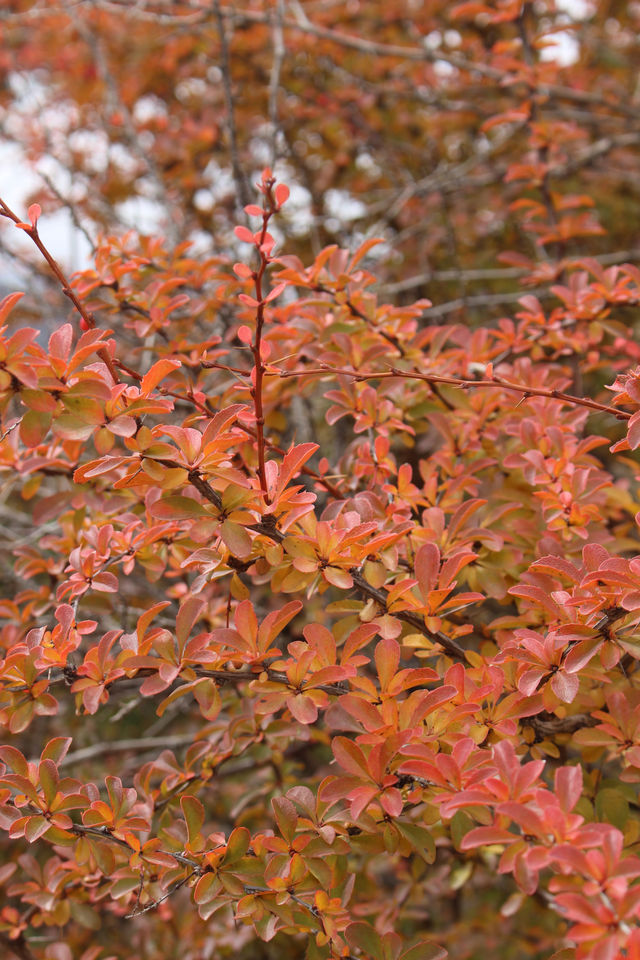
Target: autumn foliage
{"x":320,"y":605}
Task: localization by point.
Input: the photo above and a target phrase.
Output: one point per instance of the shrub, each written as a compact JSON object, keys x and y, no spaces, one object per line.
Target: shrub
{"x":320,"y":622}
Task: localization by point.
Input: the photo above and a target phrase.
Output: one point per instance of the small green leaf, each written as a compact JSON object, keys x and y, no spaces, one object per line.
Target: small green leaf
{"x":178,"y":508}
{"x":193,"y":813}
{"x":237,"y":845}
{"x":612,"y":807}
{"x":425,"y":950}
{"x":420,"y":839}
{"x":363,"y":937}
{"x":236,"y":539}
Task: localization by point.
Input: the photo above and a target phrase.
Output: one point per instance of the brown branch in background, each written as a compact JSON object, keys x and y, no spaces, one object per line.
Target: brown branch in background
{"x":356,"y":312}
{"x":456,"y":177}
{"x":485,"y":300}
{"x":548,"y":725}
{"x":542,"y":149}
{"x":39,"y":12}
{"x":452,"y":243}
{"x":277,"y":42}
{"x":243,"y":193}
{"x":115,"y":104}
{"x":618,"y":257}
{"x":69,"y":207}
{"x":106,"y":747}
{"x":302,"y":24}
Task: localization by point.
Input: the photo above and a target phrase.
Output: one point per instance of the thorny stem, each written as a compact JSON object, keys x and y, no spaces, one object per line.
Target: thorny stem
{"x":460,"y":382}
{"x":138,"y":911}
{"x":220,"y":677}
{"x":256,"y":390}
{"x":308,"y":472}
{"x":87,"y":316}
{"x":451,"y":646}
{"x":113,"y":364}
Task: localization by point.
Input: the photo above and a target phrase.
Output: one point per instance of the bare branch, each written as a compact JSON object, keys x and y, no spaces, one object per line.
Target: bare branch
{"x":490,"y":273}
{"x":243,"y":194}
{"x":274,"y":78}
{"x":548,"y":725}
{"x":106,"y":747}
{"x":450,"y":646}
{"x":463,"y":384}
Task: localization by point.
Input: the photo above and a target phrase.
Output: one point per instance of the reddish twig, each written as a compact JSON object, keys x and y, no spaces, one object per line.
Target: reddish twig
{"x":259,"y":367}
{"x":88,"y":321}
{"x":459,"y":382}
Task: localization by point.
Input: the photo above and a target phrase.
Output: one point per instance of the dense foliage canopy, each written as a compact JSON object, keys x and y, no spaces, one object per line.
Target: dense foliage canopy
{"x":320,"y":611}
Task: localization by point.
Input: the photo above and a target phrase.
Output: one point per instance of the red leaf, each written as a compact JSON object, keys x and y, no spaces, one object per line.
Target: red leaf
{"x":281,"y":194}
{"x":277,"y":290}
{"x":243,"y":234}
{"x":427,"y":568}
{"x":7,"y":305}
{"x":193,"y":813}
{"x":158,"y":372}
{"x":286,"y":817}
{"x":565,"y":685}
{"x":350,"y":757}
{"x":188,"y":615}
{"x":303,"y":708}
{"x":236,"y":539}
{"x":242,"y":271}
{"x":293,"y":462}
{"x":391,"y":802}
{"x":387,"y":657}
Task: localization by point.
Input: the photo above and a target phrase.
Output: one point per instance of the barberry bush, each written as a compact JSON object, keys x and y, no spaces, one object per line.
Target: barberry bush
{"x":320,"y":616}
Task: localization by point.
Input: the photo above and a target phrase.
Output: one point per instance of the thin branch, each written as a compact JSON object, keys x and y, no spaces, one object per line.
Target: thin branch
{"x":451,"y":646}
{"x":484,"y":300}
{"x":374,"y":49}
{"x":204,"y":488}
{"x":67,"y":204}
{"x":242,"y":187}
{"x":89,"y":320}
{"x":259,"y":277}
{"x":277,"y":41}
{"x":68,"y":676}
{"x":526,"y":391}
{"x":356,"y":312}
{"x":156,"y":903}
{"x":106,"y":747}
{"x":499,"y":273}
{"x":549,"y":725}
